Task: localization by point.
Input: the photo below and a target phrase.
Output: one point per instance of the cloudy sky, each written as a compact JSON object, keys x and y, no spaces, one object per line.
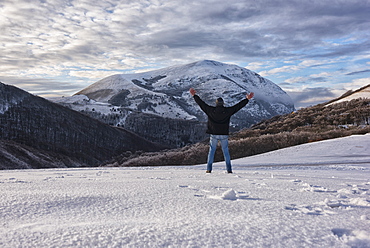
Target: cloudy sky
{"x":315,"y":50}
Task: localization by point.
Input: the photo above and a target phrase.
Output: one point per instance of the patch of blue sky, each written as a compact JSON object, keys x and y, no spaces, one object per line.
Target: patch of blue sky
{"x":347,"y":40}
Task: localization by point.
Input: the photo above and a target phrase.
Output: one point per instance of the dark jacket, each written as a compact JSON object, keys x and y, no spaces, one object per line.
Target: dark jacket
{"x":219,"y":116}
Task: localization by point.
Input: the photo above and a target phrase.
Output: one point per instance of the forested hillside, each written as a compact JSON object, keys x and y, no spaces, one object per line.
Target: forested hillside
{"x":71,"y":139}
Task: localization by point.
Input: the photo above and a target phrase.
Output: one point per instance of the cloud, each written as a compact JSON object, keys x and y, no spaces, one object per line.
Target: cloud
{"x":43,"y":87}
{"x":82,"y":37}
{"x":296,"y":80}
{"x":254,"y":66}
{"x":311,"y":96}
{"x":93,"y":74}
{"x":76,"y":29}
{"x":356,"y":83}
{"x":286,"y":68}
{"x":300,"y":66}
{"x":357,"y":72}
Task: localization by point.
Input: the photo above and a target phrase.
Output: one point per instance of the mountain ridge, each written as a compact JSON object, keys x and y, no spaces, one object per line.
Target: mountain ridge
{"x":164,"y":93}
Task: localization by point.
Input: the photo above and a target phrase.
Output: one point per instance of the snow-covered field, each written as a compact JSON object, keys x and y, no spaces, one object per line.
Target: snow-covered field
{"x":323,"y":202}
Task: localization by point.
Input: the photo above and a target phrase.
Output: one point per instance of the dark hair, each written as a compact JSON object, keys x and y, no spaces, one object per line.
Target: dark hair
{"x":219,"y":101}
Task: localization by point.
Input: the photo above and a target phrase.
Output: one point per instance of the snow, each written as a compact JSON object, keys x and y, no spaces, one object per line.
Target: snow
{"x":167,"y":90}
{"x":82,"y":102}
{"x":313,"y":195}
{"x":364,"y":93}
{"x":353,"y":149}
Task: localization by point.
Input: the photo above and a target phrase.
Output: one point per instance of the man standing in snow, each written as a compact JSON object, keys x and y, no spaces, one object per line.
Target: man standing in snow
{"x":218,"y":126}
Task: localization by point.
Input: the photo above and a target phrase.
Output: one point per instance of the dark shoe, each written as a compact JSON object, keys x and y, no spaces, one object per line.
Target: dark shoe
{"x":208,"y":171}
{"x":230,"y":172}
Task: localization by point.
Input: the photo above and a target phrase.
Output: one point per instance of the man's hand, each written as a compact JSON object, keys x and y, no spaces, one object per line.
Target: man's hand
{"x":250,"y":96}
{"x":192,"y":91}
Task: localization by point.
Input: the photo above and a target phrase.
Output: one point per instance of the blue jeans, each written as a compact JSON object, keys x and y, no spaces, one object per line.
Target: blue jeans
{"x":213,"y":141}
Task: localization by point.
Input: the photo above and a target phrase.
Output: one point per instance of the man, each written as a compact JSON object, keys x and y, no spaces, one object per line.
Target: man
{"x":218,"y":126}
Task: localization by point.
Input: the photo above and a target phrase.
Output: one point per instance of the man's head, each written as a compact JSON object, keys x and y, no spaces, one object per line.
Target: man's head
{"x":219,"y":101}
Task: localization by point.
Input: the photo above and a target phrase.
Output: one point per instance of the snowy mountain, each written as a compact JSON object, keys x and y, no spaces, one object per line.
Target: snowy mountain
{"x":363,"y":92}
{"x":37,"y":133}
{"x":129,"y":99}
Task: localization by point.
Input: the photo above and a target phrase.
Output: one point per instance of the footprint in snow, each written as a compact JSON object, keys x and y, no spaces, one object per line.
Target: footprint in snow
{"x":354,"y":189}
{"x":296,"y":181}
{"x":193,"y":189}
{"x":309,"y":210}
{"x":315,"y":188}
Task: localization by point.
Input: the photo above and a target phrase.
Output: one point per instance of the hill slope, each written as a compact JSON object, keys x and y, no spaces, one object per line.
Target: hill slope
{"x":70,"y":137}
{"x":310,"y":124}
{"x":363,"y":92}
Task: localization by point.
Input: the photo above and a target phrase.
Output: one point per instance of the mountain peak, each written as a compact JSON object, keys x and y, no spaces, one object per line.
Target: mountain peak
{"x":164,"y":93}
{"x":209,"y":63}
